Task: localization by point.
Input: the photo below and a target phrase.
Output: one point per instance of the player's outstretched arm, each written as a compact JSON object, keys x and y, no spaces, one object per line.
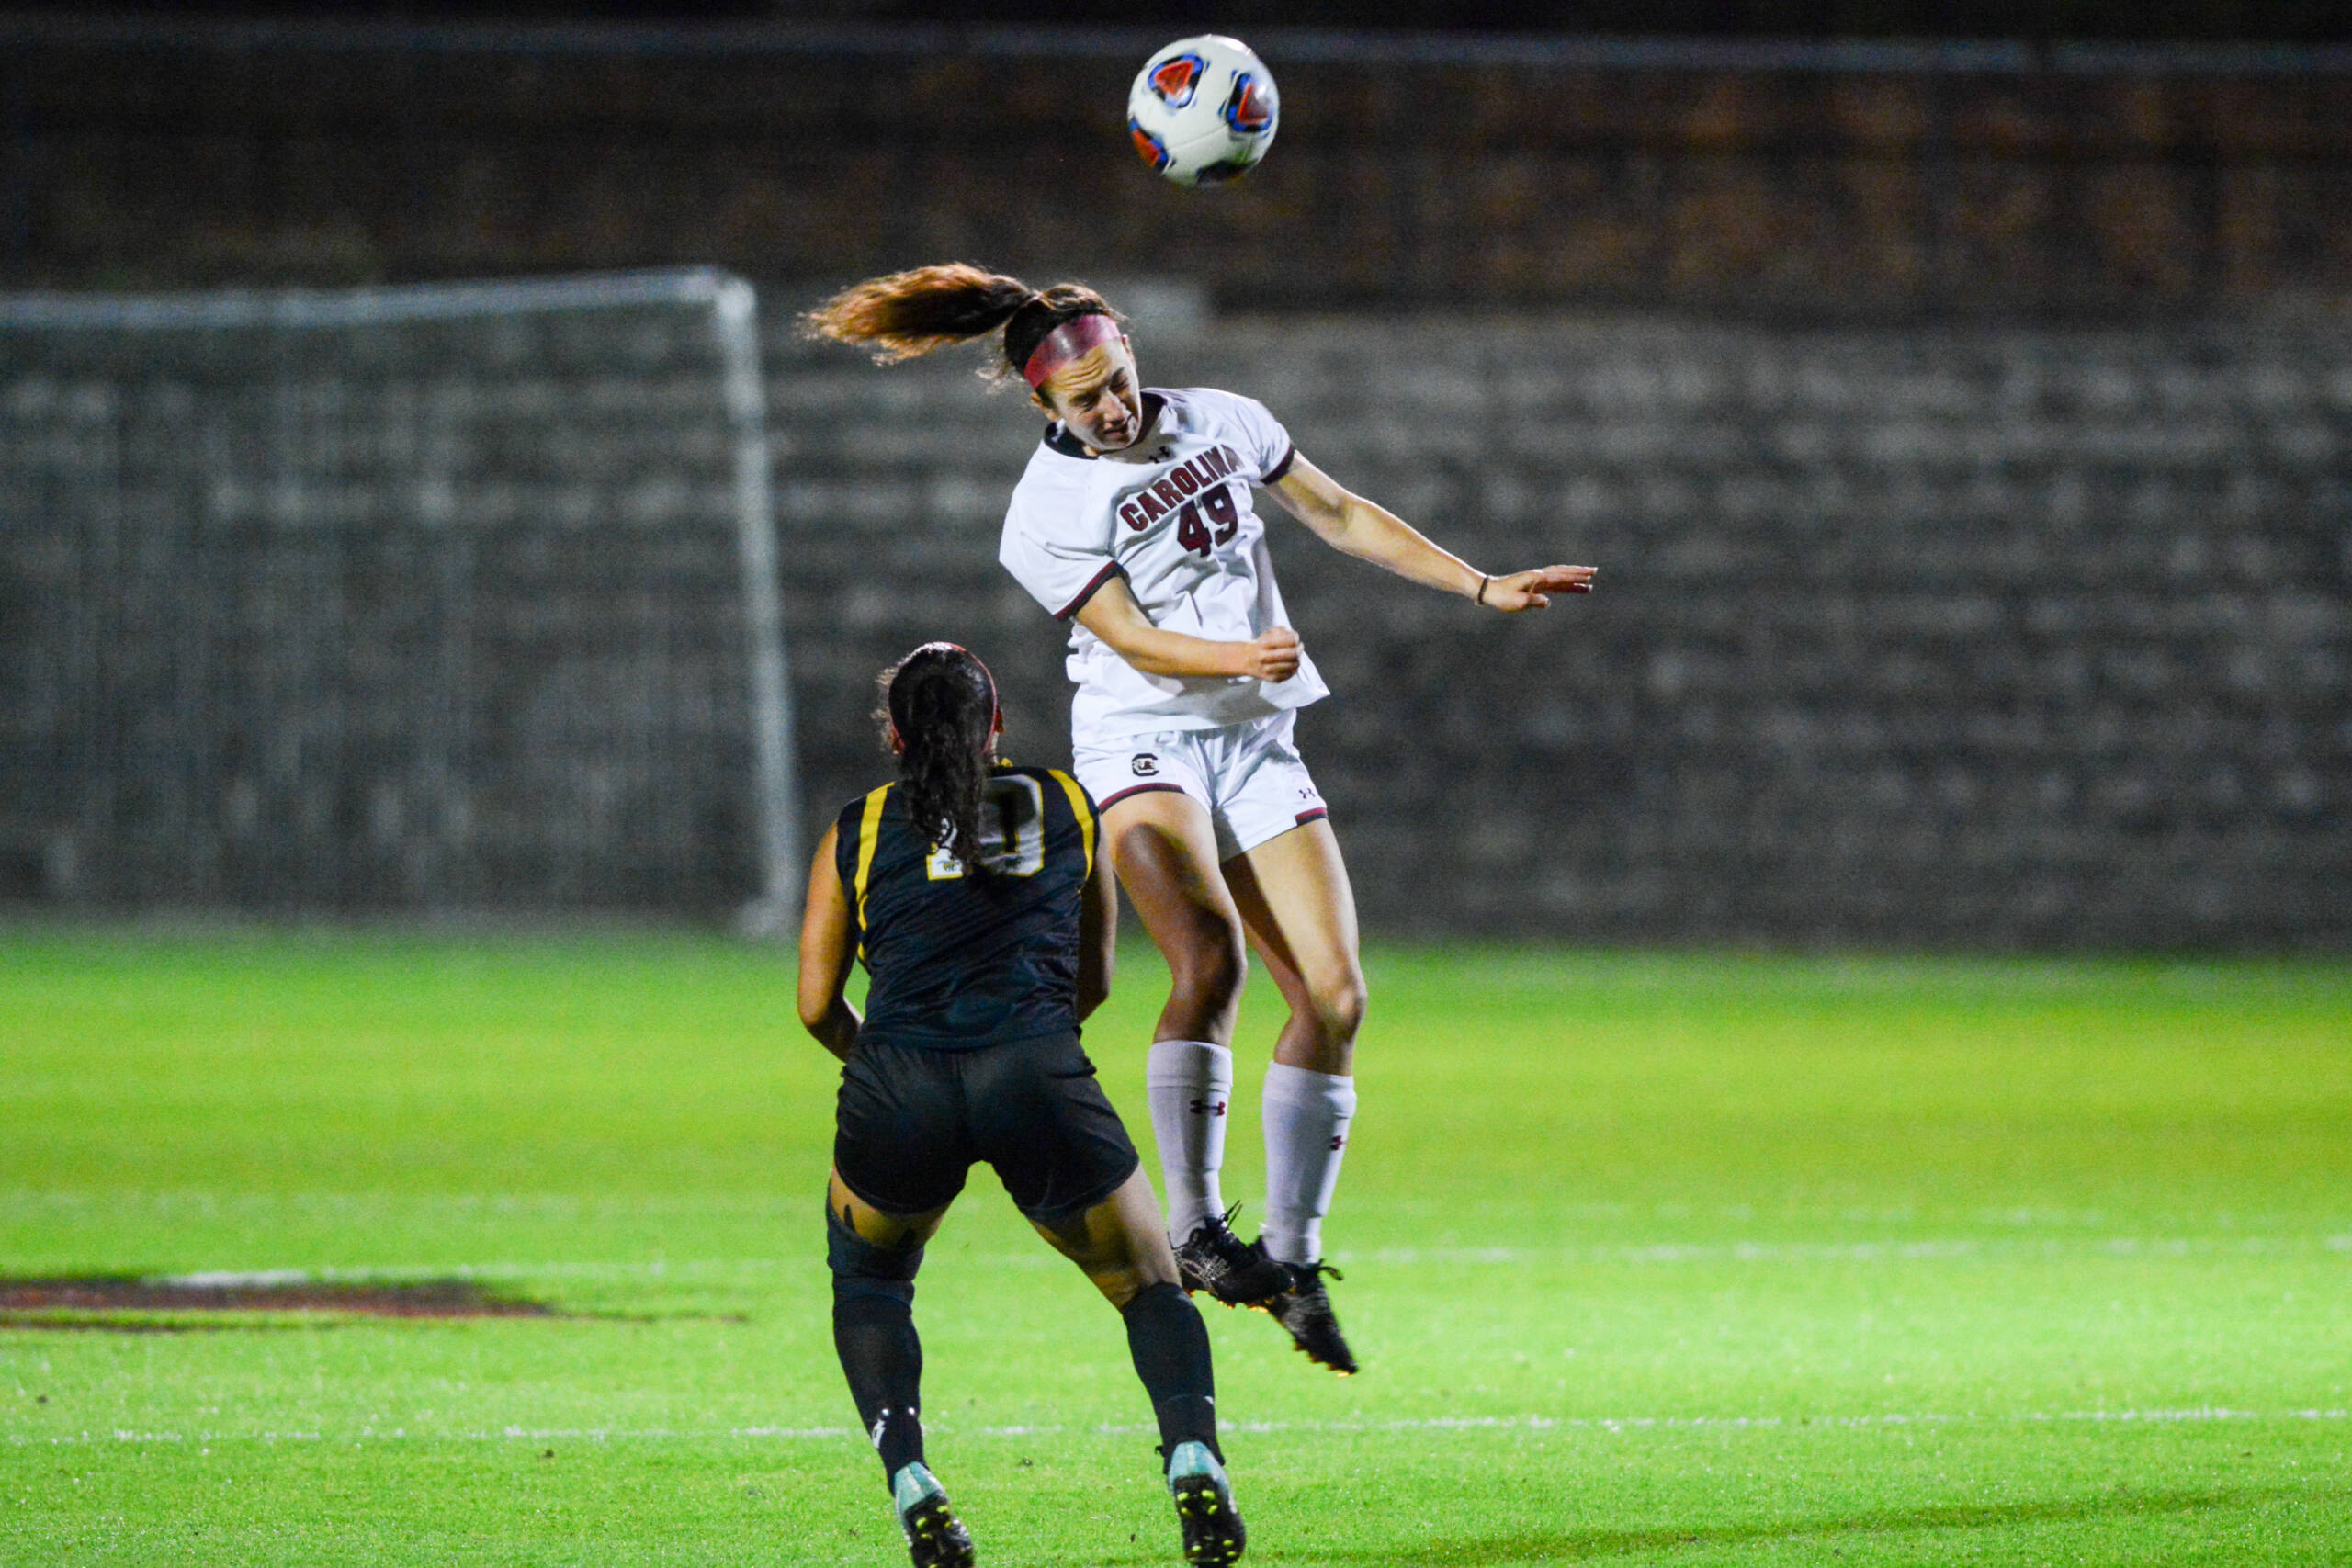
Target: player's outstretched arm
{"x":825,"y":952}
{"x":1113,"y":616}
{"x":1371,"y":531}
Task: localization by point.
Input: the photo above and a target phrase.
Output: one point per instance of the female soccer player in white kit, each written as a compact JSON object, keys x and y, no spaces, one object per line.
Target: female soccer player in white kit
{"x":1135,"y":520}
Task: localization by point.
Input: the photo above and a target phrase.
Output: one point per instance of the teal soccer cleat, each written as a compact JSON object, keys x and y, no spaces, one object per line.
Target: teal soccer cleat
{"x":935,"y":1537}
{"x":1213,"y":1531}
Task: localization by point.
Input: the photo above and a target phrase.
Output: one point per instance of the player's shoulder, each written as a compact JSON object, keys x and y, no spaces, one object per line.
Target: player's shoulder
{"x":1059,"y":779}
{"x":853,"y":817}
{"x":1199,"y":407}
{"x":1053,"y":485}
{"x":1057,"y":785}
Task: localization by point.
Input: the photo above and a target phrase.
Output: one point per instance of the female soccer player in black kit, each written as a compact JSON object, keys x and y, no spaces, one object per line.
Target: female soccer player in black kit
{"x":972,"y":892}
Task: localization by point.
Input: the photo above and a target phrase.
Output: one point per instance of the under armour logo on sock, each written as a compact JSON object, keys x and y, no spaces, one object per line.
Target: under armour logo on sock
{"x":1208,"y":1108}
{"x":1339,"y":1142}
{"x":882,"y":1420}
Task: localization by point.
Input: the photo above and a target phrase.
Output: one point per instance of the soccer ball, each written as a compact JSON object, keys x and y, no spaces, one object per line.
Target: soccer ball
{"x":1202,"y":108}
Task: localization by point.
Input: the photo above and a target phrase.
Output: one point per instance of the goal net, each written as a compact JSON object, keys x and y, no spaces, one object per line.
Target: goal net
{"x":419,"y":599}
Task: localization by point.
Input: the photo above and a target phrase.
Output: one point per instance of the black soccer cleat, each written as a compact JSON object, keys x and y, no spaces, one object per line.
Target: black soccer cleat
{"x":1306,"y":1310}
{"x":1235,"y":1272}
{"x":1214,"y":1535}
{"x":935,"y":1537}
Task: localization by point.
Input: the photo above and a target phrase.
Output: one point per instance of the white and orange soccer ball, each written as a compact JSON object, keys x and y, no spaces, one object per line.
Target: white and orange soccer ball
{"x":1202,"y":110}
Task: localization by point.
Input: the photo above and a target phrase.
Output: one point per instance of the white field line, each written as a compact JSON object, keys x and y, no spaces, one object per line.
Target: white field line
{"x":540,"y":1205}
{"x":1853,"y":1252}
{"x":2193,"y":1416}
{"x":1652,"y":1252}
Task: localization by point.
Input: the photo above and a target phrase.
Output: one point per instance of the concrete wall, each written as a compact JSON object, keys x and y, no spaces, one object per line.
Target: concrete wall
{"x":1940,"y":636}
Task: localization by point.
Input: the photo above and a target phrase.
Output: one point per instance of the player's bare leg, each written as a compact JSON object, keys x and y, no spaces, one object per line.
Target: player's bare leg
{"x":1295,"y":898}
{"x":1117,"y":1244}
{"x":1121,"y":1246}
{"x":1164,"y":849}
{"x":1299,"y":910}
{"x":874,"y":1255}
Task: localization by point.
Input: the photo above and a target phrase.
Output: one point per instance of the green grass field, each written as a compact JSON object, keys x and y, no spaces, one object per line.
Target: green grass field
{"x":1688,"y":1259}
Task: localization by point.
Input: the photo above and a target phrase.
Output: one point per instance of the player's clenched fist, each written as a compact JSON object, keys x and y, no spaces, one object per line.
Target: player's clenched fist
{"x":1533,"y":590}
{"x":1273,"y":657}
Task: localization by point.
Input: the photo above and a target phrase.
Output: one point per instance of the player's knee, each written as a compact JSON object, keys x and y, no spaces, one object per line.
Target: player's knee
{"x":1212,"y":963}
{"x":1120,"y":1283}
{"x":862,"y":1269}
{"x":1158,"y":1303}
{"x":1139,"y":1270}
{"x":1337,"y":1003}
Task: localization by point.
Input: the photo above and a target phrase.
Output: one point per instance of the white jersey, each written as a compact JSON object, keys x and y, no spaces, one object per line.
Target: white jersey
{"x":1173,"y":516}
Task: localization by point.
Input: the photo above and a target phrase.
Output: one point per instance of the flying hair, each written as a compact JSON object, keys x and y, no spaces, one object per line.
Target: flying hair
{"x":909,"y":314}
{"x":939,"y":704}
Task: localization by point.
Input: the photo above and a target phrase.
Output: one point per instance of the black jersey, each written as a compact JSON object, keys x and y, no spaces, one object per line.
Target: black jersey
{"x":959,"y":960}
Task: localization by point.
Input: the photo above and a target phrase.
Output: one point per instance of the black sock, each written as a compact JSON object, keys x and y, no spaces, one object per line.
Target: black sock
{"x":881,"y":1355}
{"x":873,"y":1332}
{"x":1170,"y":1348}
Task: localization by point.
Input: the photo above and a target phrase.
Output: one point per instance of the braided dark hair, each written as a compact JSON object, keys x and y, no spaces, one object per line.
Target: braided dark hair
{"x":909,"y":314}
{"x":940,"y":703}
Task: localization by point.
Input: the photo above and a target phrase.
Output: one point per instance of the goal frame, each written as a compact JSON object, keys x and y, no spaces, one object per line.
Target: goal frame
{"x":733,"y":306}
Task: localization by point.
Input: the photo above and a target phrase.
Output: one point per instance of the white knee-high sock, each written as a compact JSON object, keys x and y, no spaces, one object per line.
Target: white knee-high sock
{"x":1306,"y":1117}
{"x":1190,"y":1085}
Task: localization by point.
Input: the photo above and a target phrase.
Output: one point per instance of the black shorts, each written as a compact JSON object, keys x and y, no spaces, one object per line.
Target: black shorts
{"x":910,"y":1122}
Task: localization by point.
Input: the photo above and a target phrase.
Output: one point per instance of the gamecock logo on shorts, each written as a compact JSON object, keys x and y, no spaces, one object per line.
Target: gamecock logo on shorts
{"x":1145,"y":766}
{"x":1177,"y":80}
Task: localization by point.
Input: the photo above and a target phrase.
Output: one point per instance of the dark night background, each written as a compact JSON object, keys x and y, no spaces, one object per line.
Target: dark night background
{"x":2275,"y":21}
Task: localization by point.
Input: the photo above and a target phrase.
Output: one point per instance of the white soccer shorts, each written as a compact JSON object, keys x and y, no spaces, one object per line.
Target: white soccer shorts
{"x":1249,"y":776}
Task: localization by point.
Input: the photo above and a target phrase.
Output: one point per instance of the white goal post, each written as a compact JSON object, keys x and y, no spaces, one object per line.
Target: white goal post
{"x":142,"y":438}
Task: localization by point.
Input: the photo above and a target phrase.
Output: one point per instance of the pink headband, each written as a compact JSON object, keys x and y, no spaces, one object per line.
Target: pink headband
{"x":1074,"y":339}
